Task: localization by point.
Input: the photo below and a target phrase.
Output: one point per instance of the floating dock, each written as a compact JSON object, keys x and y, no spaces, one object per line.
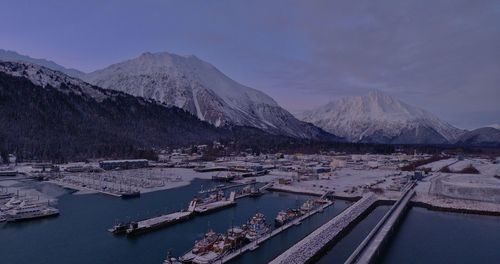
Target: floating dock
{"x":203,"y":209}
{"x":157,"y":222}
{"x":154,"y":223}
{"x":309,"y":247}
{"x":150,"y":224}
{"x":294,"y":189}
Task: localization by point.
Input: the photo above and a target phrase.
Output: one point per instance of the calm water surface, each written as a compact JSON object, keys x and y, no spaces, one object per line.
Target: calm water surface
{"x":441,"y":237}
{"x":344,"y":248}
{"x":79,"y":234}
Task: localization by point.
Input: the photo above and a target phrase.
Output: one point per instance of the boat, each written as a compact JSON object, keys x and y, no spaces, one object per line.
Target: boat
{"x":307,"y":206}
{"x":256,"y":227}
{"x":119,"y":228}
{"x":214,"y":189}
{"x":321,"y":201}
{"x":202,"y":246}
{"x":170,"y":260}
{"x":249,"y":191}
{"x":27,"y":211}
{"x":286,"y":216}
{"x":224,"y":178}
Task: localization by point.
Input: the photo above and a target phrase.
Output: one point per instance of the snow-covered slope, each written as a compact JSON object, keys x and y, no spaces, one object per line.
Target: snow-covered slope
{"x":200,"y":88}
{"x":42,"y":76}
{"x":496,"y":126}
{"x":7,"y":55}
{"x":485,"y":136}
{"x":380,"y":118}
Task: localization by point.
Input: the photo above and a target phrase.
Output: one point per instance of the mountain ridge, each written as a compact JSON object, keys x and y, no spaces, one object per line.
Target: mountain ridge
{"x":380,"y":118}
{"x":8,"y":55}
{"x":200,"y":88}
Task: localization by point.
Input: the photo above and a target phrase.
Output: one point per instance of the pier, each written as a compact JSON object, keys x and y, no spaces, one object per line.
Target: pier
{"x":157,"y":222}
{"x":309,"y":247}
{"x":216,"y":189}
{"x":369,"y":248}
{"x":255,"y":244}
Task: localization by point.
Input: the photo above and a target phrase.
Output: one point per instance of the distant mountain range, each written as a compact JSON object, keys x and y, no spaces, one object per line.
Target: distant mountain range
{"x":7,"y":55}
{"x":381,"y":118}
{"x":186,"y":82}
{"x":485,"y":136}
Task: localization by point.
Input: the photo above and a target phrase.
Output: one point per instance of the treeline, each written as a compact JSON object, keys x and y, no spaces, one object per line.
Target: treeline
{"x":46,"y":124}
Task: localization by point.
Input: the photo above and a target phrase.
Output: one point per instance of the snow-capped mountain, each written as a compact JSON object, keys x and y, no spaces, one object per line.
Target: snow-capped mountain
{"x":42,"y":76}
{"x":7,"y":55}
{"x":484,"y":137}
{"x":381,"y":118}
{"x":198,"y":87}
{"x":46,"y":114}
{"x":496,"y":126}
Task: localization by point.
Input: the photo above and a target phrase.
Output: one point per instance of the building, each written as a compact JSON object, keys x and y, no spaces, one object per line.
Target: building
{"x":8,"y":173}
{"x":337,"y":163}
{"x":123,"y":164}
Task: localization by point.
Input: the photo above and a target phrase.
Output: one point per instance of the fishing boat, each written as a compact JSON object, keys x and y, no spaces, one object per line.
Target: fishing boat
{"x":256,"y":227}
{"x":286,"y":216}
{"x":307,"y":206}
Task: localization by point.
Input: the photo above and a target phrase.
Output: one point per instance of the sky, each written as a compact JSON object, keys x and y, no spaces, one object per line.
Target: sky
{"x":440,"y":55}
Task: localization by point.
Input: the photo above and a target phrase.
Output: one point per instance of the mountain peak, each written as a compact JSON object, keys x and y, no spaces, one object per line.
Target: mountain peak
{"x":382,"y":118}
{"x":199,"y":87}
{"x":496,"y":126}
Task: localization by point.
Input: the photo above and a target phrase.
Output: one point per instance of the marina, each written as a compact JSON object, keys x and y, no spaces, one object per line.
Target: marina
{"x":302,"y":225}
{"x":101,"y":210}
{"x":252,"y":246}
{"x":311,"y":246}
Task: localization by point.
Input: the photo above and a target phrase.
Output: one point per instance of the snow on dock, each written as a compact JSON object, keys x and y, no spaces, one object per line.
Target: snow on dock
{"x":213,"y":206}
{"x":295,"y":189}
{"x":311,"y":245}
{"x":168,"y":218}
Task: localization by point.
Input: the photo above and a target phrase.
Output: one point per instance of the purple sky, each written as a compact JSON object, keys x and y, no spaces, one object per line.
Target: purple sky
{"x":443,"y":56}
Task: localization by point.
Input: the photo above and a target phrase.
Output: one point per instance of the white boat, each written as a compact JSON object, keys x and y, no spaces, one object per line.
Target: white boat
{"x":29,"y":211}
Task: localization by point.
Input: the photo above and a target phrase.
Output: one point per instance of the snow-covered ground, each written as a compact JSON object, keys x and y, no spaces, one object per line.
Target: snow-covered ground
{"x":437,"y":165}
{"x":145,"y":180}
{"x":345,"y":182}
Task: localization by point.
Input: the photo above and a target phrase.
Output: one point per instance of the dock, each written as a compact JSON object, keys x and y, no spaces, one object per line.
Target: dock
{"x":150,"y":224}
{"x":369,"y":248}
{"x":305,"y":250}
{"x":158,"y":222}
{"x":255,"y":244}
{"x":295,"y":189}
{"x":216,"y":189}
{"x":82,"y":188}
{"x":203,"y":209}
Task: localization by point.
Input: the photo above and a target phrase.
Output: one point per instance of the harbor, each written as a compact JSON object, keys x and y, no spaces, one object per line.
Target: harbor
{"x":101,"y":211}
{"x":174,"y":200}
{"x":311,"y":246}
{"x":255,"y":244}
